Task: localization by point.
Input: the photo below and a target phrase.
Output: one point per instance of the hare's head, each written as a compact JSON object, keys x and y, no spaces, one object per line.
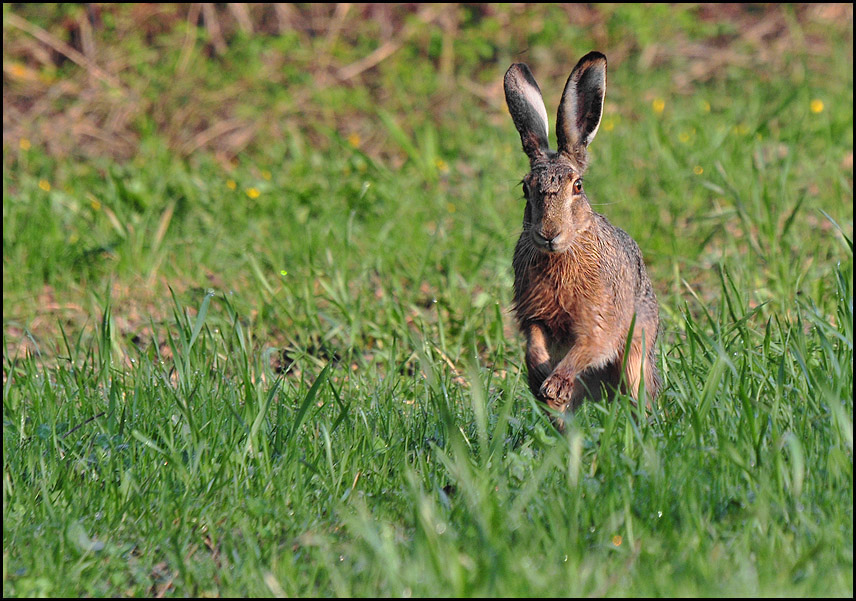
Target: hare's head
{"x":556,"y":205}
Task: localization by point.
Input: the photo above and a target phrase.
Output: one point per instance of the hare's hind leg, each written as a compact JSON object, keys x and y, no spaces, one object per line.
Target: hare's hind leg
{"x":597,"y":384}
{"x":640,"y":364}
{"x":538,"y":364}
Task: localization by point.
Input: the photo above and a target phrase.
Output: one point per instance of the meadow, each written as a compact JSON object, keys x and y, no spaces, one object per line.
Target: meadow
{"x":257,"y":289}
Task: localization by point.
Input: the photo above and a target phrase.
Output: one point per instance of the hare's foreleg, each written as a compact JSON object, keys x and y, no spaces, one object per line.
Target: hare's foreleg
{"x":560,"y":389}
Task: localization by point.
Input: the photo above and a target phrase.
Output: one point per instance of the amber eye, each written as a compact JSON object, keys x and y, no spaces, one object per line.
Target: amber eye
{"x":578,"y":186}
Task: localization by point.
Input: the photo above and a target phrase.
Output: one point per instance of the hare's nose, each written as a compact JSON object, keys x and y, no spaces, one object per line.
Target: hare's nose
{"x":547,"y":241}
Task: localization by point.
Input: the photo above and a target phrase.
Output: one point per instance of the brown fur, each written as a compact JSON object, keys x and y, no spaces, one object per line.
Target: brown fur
{"x":579,"y":285}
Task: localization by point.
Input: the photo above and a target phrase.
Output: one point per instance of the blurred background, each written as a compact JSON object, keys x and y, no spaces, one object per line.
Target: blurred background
{"x":86,"y":80}
{"x":197,"y":146}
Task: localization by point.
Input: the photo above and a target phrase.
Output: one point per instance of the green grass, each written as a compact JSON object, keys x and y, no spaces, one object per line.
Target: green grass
{"x":295,"y":371}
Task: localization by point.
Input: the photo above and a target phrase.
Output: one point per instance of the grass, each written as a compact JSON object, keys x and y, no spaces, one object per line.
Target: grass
{"x":289,"y":368}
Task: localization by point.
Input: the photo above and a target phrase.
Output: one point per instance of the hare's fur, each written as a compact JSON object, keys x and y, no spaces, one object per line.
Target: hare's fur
{"x":582,"y":296}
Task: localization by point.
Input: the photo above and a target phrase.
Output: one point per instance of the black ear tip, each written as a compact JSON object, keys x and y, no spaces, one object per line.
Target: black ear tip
{"x":518,"y":72}
{"x":511,"y":70}
{"x":591,"y":59}
{"x":519,"y":68}
{"x":594,"y":55}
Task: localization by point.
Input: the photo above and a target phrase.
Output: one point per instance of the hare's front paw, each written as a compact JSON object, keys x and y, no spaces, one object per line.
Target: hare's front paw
{"x":556,"y":391}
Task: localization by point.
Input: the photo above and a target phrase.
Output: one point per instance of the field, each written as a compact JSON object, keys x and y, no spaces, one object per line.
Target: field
{"x":257,"y":288}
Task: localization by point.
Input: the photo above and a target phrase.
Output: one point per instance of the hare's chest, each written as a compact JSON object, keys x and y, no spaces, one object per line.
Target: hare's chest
{"x":555,"y":305}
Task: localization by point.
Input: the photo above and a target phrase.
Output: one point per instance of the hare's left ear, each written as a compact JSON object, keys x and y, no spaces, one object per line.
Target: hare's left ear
{"x":582,"y":104}
{"x":527,"y":110}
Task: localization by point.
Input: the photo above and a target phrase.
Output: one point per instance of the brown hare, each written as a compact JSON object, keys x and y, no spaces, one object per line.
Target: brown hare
{"x":582,"y":296}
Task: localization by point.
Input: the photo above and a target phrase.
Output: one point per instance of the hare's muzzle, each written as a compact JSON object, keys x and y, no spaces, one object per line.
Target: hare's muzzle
{"x":547,"y":243}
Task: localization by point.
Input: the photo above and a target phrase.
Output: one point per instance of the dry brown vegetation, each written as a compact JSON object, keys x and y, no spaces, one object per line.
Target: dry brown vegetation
{"x":85,"y":80}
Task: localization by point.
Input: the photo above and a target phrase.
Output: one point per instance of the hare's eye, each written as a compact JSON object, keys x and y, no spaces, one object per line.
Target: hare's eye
{"x":578,"y":186}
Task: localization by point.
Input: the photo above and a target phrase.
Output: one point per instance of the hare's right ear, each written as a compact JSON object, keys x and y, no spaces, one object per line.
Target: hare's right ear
{"x":526,"y":106}
{"x":582,"y":105}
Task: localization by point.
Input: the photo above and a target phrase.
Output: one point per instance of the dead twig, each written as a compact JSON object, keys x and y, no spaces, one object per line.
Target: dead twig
{"x":490,"y":94}
{"x":189,"y":38}
{"x":449,"y":21}
{"x":87,"y":40}
{"x":215,"y":131}
{"x":286,"y":15}
{"x":166,"y":585}
{"x":242,"y":16}
{"x":342,"y":9}
{"x":210,"y":16}
{"x":386,"y":49}
{"x":64,"y":49}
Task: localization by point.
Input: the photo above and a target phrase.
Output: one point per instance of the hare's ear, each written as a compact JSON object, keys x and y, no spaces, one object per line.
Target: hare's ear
{"x":526,"y":106}
{"x":582,"y":105}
